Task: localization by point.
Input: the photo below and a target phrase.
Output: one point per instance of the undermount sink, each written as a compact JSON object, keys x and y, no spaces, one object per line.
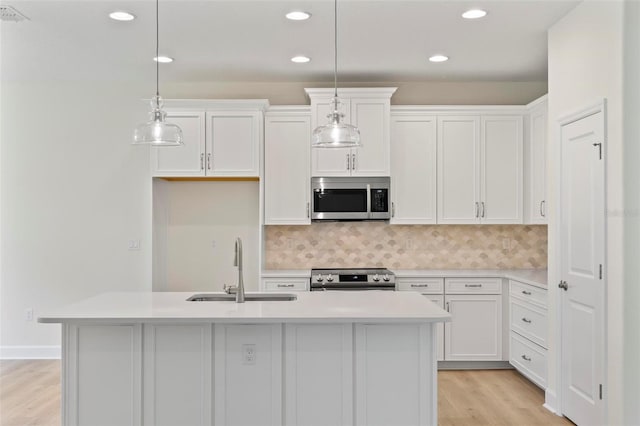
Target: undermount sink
{"x":248,"y":297}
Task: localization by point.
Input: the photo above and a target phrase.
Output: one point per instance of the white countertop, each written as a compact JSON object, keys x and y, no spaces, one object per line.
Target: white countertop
{"x":171,"y":307}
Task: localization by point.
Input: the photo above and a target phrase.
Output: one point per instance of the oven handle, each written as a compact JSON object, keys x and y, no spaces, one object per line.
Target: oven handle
{"x":368,"y":201}
{"x":353,"y":288}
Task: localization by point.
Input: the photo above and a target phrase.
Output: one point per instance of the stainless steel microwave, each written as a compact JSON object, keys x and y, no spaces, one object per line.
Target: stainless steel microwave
{"x":350,"y":198}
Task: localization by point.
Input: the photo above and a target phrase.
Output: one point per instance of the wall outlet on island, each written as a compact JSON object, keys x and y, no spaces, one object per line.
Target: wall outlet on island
{"x":28,"y":314}
{"x":134,"y":244}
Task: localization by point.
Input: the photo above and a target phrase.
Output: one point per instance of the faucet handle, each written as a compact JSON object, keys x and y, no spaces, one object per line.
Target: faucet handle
{"x":228,"y":288}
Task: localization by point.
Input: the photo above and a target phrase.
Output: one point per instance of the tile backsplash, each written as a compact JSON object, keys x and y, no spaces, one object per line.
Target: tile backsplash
{"x":377,"y":244}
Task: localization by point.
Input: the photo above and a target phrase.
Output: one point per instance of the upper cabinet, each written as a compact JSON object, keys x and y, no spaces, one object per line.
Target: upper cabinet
{"x":287,"y":179}
{"x":369,"y":110}
{"x":413,"y":166}
{"x":221,"y":139}
{"x":480,"y":173}
{"x":536,"y":154}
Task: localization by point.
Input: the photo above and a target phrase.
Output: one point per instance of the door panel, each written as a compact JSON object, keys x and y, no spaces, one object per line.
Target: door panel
{"x":185,"y":160}
{"x":331,"y":161}
{"x":371,"y":116}
{"x":583,"y":249}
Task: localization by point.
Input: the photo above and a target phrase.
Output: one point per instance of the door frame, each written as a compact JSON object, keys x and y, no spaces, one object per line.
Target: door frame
{"x":553,"y":399}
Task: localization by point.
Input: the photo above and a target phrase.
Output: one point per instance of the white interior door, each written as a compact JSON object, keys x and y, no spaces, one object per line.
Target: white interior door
{"x":583,"y":250}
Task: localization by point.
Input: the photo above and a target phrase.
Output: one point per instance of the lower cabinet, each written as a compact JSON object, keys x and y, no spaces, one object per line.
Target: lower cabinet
{"x":285,"y":284}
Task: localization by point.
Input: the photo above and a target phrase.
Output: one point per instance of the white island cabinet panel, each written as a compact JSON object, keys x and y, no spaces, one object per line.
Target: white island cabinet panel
{"x":395,"y":375}
{"x":319,"y":374}
{"x":102,"y":386}
{"x":248,"y":374}
{"x":177,"y":375}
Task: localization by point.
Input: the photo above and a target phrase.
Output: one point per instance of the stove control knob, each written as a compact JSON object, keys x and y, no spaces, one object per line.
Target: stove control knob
{"x":329,"y":278}
{"x":319,"y":278}
{"x":376,"y":278}
{"x":386,"y":277}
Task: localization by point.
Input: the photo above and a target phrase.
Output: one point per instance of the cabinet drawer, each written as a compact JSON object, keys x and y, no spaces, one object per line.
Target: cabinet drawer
{"x":529,"y":293}
{"x":473,"y":285}
{"x":528,"y":358}
{"x":285,"y":284}
{"x":529,"y":321}
{"x":422,"y":285}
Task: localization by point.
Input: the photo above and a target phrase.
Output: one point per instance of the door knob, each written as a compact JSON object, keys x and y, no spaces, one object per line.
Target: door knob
{"x":563,"y":285}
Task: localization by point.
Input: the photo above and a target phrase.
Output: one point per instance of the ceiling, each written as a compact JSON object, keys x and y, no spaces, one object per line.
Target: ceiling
{"x":241,"y":40}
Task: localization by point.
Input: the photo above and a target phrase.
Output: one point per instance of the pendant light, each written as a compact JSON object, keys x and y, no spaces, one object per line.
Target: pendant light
{"x":157,"y":131}
{"x":335,"y":134}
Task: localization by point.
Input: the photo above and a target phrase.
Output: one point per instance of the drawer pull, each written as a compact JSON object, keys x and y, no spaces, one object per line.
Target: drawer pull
{"x":419,"y":285}
{"x":285,"y":285}
{"x":526,"y":293}
{"x":526,"y":358}
{"x":473,"y":285}
{"x":527,"y":320}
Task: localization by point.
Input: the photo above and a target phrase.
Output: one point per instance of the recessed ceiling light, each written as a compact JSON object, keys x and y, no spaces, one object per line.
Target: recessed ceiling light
{"x":474,"y":14}
{"x":298,"y":15}
{"x":163,"y":59}
{"x":122,"y":16}
{"x":439,"y":58}
{"x":300,"y":59}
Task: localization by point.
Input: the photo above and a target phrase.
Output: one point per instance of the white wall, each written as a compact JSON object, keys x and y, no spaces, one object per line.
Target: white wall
{"x":632,"y":212}
{"x":74,"y":191}
{"x":585,"y":63}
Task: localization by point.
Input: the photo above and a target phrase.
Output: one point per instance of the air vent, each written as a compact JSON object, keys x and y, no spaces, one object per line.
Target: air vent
{"x":8,"y":13}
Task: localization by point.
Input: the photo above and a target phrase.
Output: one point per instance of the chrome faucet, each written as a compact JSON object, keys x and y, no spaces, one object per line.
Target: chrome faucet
{"x":237,"y":261}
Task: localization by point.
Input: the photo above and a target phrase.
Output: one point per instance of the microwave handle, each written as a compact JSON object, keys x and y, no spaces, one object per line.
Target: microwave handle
{"x":368,"y":201}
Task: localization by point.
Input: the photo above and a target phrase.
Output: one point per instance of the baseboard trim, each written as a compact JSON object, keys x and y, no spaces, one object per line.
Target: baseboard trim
{"x":30,"y":352}
{"x":551,"y":402}
{"x":474,"y":365}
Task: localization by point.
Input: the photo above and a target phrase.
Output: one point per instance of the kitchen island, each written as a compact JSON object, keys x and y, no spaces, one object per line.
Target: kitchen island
{"x":326,"y":358}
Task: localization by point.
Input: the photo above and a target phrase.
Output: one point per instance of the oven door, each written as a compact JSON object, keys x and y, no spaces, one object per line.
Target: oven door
{"x":351,"y":287}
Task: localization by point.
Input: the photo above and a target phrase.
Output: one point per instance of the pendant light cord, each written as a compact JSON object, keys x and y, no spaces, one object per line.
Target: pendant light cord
{"x":157,"y":51}
{"x":335,"y":47}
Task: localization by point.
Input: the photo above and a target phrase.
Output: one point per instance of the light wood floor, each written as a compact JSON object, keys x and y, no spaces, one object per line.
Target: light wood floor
{"x":30,"y":396}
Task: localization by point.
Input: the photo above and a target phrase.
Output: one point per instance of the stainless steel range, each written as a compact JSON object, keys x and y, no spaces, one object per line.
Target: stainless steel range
{"x":352,"y":279}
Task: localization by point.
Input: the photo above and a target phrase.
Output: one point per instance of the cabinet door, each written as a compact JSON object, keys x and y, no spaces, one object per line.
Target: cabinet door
{"x":475,"y":330}
{"x":537,"y":163}
{"x":501,"y":170}
{"x":413,"y":167}
{"x":458,"y":146}
{"x":329,"y":161}
{"x":438,"y":300}
{"x":286,"y":170}
{"x":371,"y":116}
{"x":186,"y":160}
{"x":233,"y":143}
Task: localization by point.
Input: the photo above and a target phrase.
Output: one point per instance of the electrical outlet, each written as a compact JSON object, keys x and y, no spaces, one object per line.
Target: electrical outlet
{"x":28,"y":314}
{"x":214,"y":243}
{"x":248,"y":354}
{"x":409,"y":244}
{"x":506,"y":244}
{"x":134,"y":244}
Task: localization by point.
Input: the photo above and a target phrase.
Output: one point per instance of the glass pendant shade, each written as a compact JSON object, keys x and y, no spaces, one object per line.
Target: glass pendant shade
{"x":335,"y":134}
{"x":157,"y":131}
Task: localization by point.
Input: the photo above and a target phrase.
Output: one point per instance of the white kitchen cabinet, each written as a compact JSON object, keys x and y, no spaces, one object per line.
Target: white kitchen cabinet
{"x":286,"y":166}
{"x":221,"y":139}
{"x":413,"y":168}
{"x":536,"y":163}
{"x":480,"y":169}
{"x":475,"y":330}
{"x":285,"y":284}
{"x":369,"y":110}
{"x":528,"y":331}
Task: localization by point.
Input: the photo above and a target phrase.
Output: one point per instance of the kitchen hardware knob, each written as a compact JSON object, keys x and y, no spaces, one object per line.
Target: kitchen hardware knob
{"x":209,"y":161}
{"x":563,"y":285}
{"x":526,"y":293}
{"x":477,"y":211}
{"x":308,"y":210}
{"x":329,"y":278}
{"x":419,"y":285}
{"x":526,"y":358}
{"x":319,"y":278}
{"x":386,"y":277}
{"x":202,"y":161}
{"x":353,"y":161}
{"x":285,"y":285}
{"x":473,"y":285}
{"x":542,"y":205}
{"x":376,"y":278}
{"x":527,"y":320}
{"x":482,"y":209}
{"x":348,"y":162}
{"x":393,"y":209}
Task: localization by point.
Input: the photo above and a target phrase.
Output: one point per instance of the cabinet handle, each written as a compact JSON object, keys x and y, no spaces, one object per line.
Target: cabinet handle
{"x":353,"y":162}
{"x":209,"y":161}
{"x":285,"y":285}
{"x":527,"y":320}
{"x":202,"y":161}
{"x":526,"y":293}
{"x":448,"y":307}
{"x":477,"y":211}
{"x":419,"y":285}
{"x":348,"y":162}
{"x":473,"y":285}
{"x":526,"y":358}
{"x":393,"y":209}
{"x":543,"y":204}
{"x":308,"y":209}
{"x":483,"y":209}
